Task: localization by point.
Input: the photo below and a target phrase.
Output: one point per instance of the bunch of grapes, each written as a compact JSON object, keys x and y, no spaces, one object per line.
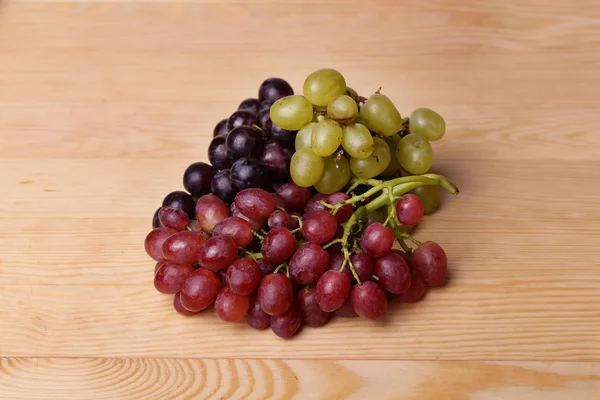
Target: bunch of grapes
{"x":284,"y":239}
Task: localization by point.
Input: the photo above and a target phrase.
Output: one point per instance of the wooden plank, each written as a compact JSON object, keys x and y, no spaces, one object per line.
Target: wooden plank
{"x":64,"y":378}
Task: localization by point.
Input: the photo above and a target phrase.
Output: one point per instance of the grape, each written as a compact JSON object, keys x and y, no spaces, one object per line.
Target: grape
{"x":294,"y":221}
{"x":182,"y":201}
{"x":170,"y":277}
{"x":275,"y":294}
{"x":210,"y":209}
{"x":241,"y":118}
{"x":263,"y":119}
{"x":256,"y":317}
{"x":255,"y":224}
{"x":236,"y":228}
{"x":414,"y":154}
{"x":183,"y":247}
{"x":266,"y":105}
{"x":338,"y":235}
{"x":430,"y":197}
{"x":230,"y":306}
{"x":304,"y":136}
{"x":217,"y":253}
{"x":200,"y":290}
{"x":336,"y":259}
{"x":308,"y":263}
{"x":314,"y":204}
{"x":155,"y":220}
{"x":380,"y":115}
{"x":221,"y":186}
{"x":283,"y":136}
{"x":222,"y":274}
{"x":363,"y":265}
{"x":273,"y":89}
{"x":154,"y":242}
{"x":255,"y":202}
{"x":195,"y":226}
{"x":393,"y":273}
{"x":276,"y":160}
{"x":430,"y":261}
{"x":221,"y":128}
{"x":287,"y":324}
{"x":266,"y":267}
{"x":358,"y":141}
{"x":347,"y":309}
{"x":344,"y":108}
{"x":375,"y":164}
{"x":409,"y":210}
{"x":394,"y":165}
{"x":243,"y":276}
{"x":368,"y":300}
{"x":427,"y":123}
{"x":323,"y":86}
{"x":158,"y":265}
{"x":308,"y":307}
{"x":326,"y":137}
{"x":306,"y":168}
{"x":252,"y":105}
{"x":415,"y":292}
{"x":376,"y":240}
{"x":197,"y":178}
{"x":333,"y":289}
{"x":245,"y":141}
{"x":217,"y":153}
{"x":173,"y":218}
{"x":179,"y":307}
{"x":343,"y":213}
{"x":294,"y":196}
{"x":319,"y":226}
{"x":278,"y":219}
{"x":247,"y":172}
{"x":292,"y":112}
{"x":279,"y":245}
{"x":278,"y":199}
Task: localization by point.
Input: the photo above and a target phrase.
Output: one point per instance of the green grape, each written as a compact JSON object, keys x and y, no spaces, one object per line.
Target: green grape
{"x":427,"y":123}
{"x":375,"y":164}
{"x":326,"y":137}
{"x":335,"y":176}
{"x":324,"y":85}
{"x":342,"y":108}
{"x":304,"y":135}
{"x":414,"y":154}
{"x":392,"y":142}
{"x":430,"y":197}
{"x":381,"y":116}
{"x":357,"y":141}
{"x":291,"y":112}
{"x":306,"y":167}
{"x":352,"y":93}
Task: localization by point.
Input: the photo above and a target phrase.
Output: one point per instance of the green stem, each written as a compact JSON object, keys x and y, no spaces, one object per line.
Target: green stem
{"x":412,"y":239}
{"x":258,"y":235}
{"x":254,"y":256}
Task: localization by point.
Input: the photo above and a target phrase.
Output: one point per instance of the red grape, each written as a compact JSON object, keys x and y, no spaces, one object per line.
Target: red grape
{"x":256,"y":224}
{"x":333,"y":289}
{"x":308,"y":263}
{"x":319,"y":226}
{"x":369,"y":300}
{"x":195,"y":226}
{"x":266,"y":267}
{"x":336,"y":247}
{"x":363,"y":265}
{"x":279,"y":202}
{"x":183,"y":247}
{"x":430,"y":261}
{"x":286,"y":324}
{"x":256,"y":317}
{"x":210,"y":209}
{"x":415,"y":292}
{"x":347,"y":309}
{"x":294,"y":220}
{"x":200,"y":290}
{"x":218,"y":252}
{"x":170,"y":277}
{"x":294,"y":196}
{"x":343,"y":213}
{"x":173,"y":218}
{"x":393,"y":273}
{"x":275,"y":294}
{"x":159,"y":264}
{"x":314,"y":204}
{"x":409,"y":209}
{"x":154,"y":242}
{"x":335,"y":263}
{"x":243,"y":276}
{"x":376,"y":240}
{"x":279,"y":245}
{"x":222,"y":274}
{"x":236,"y":228}
{"x":254,"y":202}
{"x":308,"y":307}
{"x":278,"y":219}
{"x":179,"y":307}
{"x":230,"y":306}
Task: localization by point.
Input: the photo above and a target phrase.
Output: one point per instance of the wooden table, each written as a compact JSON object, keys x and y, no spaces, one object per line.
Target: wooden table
{"x":104,"y":104}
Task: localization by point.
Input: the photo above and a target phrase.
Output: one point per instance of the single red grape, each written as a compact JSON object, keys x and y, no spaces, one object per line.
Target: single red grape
{"x":409,"y":209}
{"x":256,"y":224}
{"x":335,"y":263}
{"x":308,"y":307}
{"x":230,"y":306}
{"x":279,"y":202}
{"x":294,"y":196}
{"x":343,"y":213}
{"x":266,"y":267}
{"x":154,"y":242}
{"x":368,"y":300}
{"x":200,"y":290}
{"x":243,"y":276}
{"x":179,"y":307}
{"x":210,"y":209}
{"x":278,"y":246}
{"x":254,"y":202}
{"x":415,"y":292}
{"x":183,"y":247}
{"x":275,"y":294}
{"x":238,"y":229}
{"x":278,"y":219}
{"x":363,"y":265}
{"x":170,"y":277}
{"x":314,"y":204}
{"x":393,"y":273}
{"x":173,"y":218}
{"x":430,"y":261}
{"x":308,"y":263}
{"x":376,"y":240}
{"x":319,"y":226}
{"x":217,"y":253}
{"x":333,"y":289}
{"x":256,"y":317}
{"x":286,"y":324}
{"x":158,"y":265}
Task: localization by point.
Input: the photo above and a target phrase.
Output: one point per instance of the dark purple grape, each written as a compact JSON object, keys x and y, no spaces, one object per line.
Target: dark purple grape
{"x":256,"y":317}
{"x":319,"y":226}
{"x":221,"y":128}
{"x":241,"y":118}
{"x":275,"y":294}
{"x":266,"y":267}
{"x":431,"y":262}
{"x":393,"y":273}
{"x":155,"y":220}
{"x":217,"y":153}
{"x":287,"y":324}
{"x":263,"y":118}
{"x":265,"y":106}
{"x":273,"y":89}
{"x":308,"y":307}
{"x":250,"y":105}
{"x":308,"y":263}
{"x":170,"y":277}
{"x":278,"y":219}
{"x":181,"y":200}
{"x":243,"y":276}
{"x":197,"y":178}
{"x":245,"y":141}
{"x":376,"y":240}
{"x":278,"y":246}
{"x":281,"y":135}
{"x":333,"y":289}
{"x":295,"y":197}
{"x":246,"y":173}
{"x":221,"y":186}
{"x":210,"y":210}
{"x":257,"y":203}
{"x":276,"y":159}
{"x":369,"y":300}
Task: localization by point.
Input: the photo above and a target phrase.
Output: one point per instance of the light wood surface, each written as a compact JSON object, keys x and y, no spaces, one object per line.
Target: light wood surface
{"x":104,"y":104}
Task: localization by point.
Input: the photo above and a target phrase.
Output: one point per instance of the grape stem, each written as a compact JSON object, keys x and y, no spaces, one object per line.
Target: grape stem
{"x":412,"y":239}
{"x":254,"y":256}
